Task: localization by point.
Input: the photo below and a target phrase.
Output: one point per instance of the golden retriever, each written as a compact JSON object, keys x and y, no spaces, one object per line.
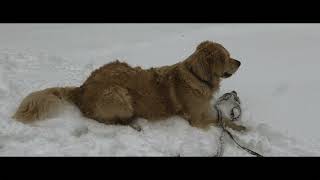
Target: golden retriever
{"x":117,"y":93}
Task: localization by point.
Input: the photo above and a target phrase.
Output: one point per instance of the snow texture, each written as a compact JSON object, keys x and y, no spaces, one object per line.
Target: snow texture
{"x":278,"y":84}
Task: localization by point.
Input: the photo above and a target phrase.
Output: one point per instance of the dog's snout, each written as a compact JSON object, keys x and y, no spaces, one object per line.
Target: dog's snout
{"x":238,"y":62}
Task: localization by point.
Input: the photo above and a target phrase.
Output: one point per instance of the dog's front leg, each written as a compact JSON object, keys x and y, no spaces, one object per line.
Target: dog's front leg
{"x":229,"y":123}
{"x":205,"y":120}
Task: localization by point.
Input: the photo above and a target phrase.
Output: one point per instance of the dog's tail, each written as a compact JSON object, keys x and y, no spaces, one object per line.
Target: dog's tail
{"x":40,"y":104}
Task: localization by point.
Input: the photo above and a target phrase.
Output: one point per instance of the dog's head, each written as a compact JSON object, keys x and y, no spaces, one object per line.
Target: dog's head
{"x":211,"y":60}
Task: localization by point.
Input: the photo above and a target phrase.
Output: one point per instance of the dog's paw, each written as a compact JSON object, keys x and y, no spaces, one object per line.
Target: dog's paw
{"x":239,"y":128}
{"x":243,"y":128}
{"x":136,"y":127}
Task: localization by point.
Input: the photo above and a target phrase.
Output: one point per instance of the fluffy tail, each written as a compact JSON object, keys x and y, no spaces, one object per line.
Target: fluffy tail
{"x":40,"y":104}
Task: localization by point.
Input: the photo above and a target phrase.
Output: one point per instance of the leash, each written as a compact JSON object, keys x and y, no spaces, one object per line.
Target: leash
{"x":226,"y":97}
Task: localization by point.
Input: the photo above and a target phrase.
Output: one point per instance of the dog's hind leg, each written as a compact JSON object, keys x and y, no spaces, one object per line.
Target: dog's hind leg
{"x":114,"y":106}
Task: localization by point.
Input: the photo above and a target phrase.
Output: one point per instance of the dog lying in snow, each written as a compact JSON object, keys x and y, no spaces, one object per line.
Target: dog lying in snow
{"x":117,"y":93}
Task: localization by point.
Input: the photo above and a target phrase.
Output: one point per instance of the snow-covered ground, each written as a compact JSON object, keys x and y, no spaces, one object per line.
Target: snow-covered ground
{"x":277,"y":83}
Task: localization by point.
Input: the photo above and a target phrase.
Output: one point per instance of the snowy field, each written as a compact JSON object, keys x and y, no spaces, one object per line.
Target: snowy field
{"x":278,"y":84}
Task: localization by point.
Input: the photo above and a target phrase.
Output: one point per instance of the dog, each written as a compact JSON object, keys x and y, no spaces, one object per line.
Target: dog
{"x":117,"y":93}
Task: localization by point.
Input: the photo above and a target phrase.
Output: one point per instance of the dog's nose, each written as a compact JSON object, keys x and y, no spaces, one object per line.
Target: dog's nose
{"x":238,"y":62}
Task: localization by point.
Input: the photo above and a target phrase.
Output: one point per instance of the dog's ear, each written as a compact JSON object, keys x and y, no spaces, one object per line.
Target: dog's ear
{"x":200,"y":65}
{"x":207,"y":61}
{"x":218,"y":63}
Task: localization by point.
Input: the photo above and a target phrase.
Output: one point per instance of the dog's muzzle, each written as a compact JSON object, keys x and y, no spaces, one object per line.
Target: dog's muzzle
{"x":226,"y":75}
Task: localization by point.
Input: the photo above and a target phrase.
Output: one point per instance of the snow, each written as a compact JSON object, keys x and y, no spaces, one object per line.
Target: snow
{"x":277,"y":84}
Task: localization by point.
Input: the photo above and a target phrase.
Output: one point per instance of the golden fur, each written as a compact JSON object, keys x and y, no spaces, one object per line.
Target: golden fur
{"x":117,"y":93}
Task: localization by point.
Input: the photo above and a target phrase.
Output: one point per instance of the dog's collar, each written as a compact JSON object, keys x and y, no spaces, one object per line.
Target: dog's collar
{"x":201,"y":80}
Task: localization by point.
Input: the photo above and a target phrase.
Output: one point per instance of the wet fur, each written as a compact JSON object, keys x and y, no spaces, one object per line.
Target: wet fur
{"x":117,"y":93}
